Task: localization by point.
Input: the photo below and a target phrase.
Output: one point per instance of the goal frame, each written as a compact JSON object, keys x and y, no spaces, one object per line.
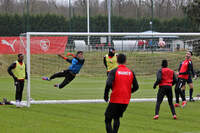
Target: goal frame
{"x":29,"y":34}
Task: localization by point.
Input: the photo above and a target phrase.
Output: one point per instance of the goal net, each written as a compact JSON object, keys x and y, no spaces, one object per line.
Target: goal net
{"x":144,"y":51}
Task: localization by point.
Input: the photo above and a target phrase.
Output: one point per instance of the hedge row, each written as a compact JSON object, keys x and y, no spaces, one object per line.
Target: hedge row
{"x":13,"y":25}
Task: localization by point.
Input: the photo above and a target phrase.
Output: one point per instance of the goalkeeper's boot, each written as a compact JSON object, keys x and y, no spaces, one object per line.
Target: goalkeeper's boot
{"x":174,"y":117}
{"x":156,"y":117}
{"x":184,"y":104}
{"x":176,"y":105}
{"x":45,"y":78}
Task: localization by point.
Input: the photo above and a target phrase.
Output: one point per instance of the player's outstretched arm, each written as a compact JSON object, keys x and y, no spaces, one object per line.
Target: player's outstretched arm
{"x":61,"y":56}
{"x":70,"y":54}
{"x":65,"y":58}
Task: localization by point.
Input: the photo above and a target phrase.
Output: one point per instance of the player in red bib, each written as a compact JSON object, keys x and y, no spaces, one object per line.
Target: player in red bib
{"x":123,"y":82}
{"x":166,"y":78}
{"x":183,"y":75}
{"x":189,"y":81}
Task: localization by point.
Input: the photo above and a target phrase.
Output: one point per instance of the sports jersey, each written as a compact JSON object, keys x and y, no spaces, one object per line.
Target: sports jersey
{"x":184,"y":69}
{"x":123,"y":82}
{"x":76,"y":65}
{"x":110,"y":62}
{"x":19,"y":70}
{"x":165,"y":77}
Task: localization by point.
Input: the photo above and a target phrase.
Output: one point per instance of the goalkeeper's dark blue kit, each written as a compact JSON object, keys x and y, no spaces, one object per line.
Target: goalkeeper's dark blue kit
{"x":70,"y":73}
{"x":76,"y":65}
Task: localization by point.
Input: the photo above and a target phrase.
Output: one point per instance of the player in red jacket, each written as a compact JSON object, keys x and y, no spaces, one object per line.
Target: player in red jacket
{"x":184,"y":71}
{"x":166,"y":78}
{"x":191,"y":75}
{"x":123,"y":82}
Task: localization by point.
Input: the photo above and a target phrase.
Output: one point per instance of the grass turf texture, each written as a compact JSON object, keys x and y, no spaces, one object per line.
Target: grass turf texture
{"x":89,"y":118}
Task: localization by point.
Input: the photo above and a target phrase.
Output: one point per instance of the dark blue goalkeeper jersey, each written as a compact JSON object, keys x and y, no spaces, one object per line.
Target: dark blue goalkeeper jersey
{"x":76,"y":65}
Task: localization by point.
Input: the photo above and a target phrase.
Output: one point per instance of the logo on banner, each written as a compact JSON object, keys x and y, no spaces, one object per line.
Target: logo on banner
{"x":9,"y":44}
{"x":45,"y":44}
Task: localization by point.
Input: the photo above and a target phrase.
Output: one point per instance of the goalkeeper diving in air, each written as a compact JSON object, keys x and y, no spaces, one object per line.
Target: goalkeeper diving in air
{"x":69,"y":74}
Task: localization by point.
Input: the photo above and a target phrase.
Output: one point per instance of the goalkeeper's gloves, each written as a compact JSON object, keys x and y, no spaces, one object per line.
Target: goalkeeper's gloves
{"x":70,"y":54}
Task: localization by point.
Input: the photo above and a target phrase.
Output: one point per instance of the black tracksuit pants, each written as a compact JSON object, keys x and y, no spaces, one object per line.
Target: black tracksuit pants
{"x":178,"y":91}
{"x":19,"y":84}
{"x":164,"y":90}
{"x":69,"y":76}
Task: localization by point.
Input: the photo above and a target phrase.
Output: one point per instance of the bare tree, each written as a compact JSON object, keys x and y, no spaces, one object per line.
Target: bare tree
{"x":136,"y":6}
{"x":94,"y":7}
{"x":103,"y":7}
{"x":7,"y":6}
{"x":125,"y":8}
{"x":81,"y":7}
{"x":159,"y":7}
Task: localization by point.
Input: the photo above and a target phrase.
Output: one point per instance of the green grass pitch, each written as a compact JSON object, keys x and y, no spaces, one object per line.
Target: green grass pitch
{"x":89,"y":118}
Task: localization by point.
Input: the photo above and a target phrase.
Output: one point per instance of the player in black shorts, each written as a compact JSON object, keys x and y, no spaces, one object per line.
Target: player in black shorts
{"x":189,"y":81}
{"x":123,"y":82}
{"x":190,"y":84}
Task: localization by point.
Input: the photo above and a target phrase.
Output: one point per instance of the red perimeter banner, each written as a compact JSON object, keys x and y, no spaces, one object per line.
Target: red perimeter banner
{"x":39,"y":45}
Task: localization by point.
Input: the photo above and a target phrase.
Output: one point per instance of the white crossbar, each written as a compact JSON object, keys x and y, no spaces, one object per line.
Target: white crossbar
{"x":109,"y":34}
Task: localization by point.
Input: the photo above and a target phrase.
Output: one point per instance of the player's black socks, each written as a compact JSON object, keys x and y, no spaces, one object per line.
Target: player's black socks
{"x":183,"y":95}
{"x":191,"y":93}
{"x":172,"y":109}
{"x":177,"y":95}
{"x":157,"y":108}
{"x":183,"y":91}
{"x":108,"y":125}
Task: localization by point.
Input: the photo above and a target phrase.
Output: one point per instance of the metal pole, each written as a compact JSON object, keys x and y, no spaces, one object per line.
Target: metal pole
{"x":151,"y":23}
{"x":27,"y":16}
{"x":28,"y":54}
{"x":152,"y":14}
{"x":28,"y":69}
{"x":69,"y":15}
{"x":109,"y":21}
{"x":88,"y":21}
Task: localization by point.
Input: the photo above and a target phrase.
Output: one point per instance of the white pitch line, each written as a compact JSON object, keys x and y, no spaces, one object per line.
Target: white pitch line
{"x":91,"y":101}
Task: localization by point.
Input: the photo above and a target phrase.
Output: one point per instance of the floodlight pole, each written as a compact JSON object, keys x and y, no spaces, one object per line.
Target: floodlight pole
{"x":88,"y":21}
{"x":151,"y":24}
{"x":152,"y":15}
{"x":70,"y":16}
{"x":109,"y":21}
{"x":27,"y":16}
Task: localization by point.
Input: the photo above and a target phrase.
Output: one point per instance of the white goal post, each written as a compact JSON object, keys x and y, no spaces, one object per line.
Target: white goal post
{"x":28,"y":42}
